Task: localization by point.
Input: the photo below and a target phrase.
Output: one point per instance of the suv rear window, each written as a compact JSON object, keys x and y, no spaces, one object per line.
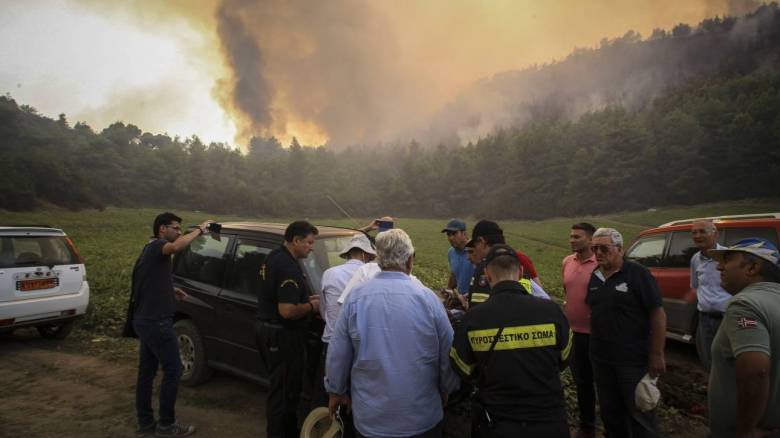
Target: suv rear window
{"x":325,"y":255}
{"x":734,"y":235}
{"x":648,"y":251}
{"x":18,"y":251}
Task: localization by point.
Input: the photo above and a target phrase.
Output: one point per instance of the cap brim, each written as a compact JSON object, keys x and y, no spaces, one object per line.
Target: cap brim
{"x":718,"y":254}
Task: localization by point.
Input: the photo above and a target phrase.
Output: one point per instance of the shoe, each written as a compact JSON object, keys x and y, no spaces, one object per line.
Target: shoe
{"x":146,"y":430}
{"x":175,"y":429}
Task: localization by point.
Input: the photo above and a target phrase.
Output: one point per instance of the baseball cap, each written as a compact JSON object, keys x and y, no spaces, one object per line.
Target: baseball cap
{"x":454,"y":225}
{"x":484,"y":228}
{"x":498,"y":251}
{"x":359,"y":241}
{"x":756,"y":246}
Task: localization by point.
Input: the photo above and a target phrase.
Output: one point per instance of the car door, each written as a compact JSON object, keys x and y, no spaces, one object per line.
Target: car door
{"x":238,"y":304}
{"x":653,"y":252}
{"x":200,"y":271}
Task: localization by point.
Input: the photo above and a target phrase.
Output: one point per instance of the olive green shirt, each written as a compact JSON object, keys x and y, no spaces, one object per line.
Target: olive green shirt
{"x":751,"y":323}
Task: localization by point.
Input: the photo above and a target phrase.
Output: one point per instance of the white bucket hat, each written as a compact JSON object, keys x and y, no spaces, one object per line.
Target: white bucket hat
{"x":361,"y":242}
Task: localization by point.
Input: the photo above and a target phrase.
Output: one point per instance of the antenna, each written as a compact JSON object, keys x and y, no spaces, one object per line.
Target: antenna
{"x":342,"y":210}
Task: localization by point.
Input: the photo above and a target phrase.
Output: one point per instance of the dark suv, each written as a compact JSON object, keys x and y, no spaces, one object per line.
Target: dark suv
{"x":220,"y":272}
{"x":667,"y":250}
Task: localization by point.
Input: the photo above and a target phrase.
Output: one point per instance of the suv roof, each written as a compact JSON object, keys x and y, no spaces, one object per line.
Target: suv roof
{"x":273,"y":228}
{"x":736,"y":217}
{"x":40,"y":230}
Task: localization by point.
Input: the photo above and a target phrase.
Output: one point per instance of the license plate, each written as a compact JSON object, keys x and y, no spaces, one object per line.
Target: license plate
{"x":37,"y":284}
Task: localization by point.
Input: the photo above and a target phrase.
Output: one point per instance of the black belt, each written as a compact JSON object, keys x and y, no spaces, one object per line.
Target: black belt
{"x":713,"y":315}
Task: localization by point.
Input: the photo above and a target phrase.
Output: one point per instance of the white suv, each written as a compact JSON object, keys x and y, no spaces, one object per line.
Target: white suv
{"x":43,"y":282}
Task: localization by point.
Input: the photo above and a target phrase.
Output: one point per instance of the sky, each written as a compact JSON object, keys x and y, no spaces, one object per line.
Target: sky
{"x":333,"y":72}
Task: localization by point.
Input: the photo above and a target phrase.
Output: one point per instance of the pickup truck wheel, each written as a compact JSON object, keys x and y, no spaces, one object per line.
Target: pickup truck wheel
{"x":57,"y":330}
{"x":195,"y":369}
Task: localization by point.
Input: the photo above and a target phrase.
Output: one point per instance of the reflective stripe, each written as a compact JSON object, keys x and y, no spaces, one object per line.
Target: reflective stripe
{"x":526,"y":336}
{"x":479,"y":297}
{"x":464,"y":367}
{"x":289,"y":281}
{"x":567,"y":349}
{"x":526,"y":283}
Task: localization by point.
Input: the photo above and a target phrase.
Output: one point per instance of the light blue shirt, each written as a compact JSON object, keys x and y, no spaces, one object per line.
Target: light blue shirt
{"x":391,"y":343}
{"x":333,"y":282}
{"x":462,"y":268}
{"x":705,"y":278}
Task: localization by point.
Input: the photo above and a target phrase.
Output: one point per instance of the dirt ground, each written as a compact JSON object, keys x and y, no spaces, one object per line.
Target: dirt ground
{"x":84,"y":387}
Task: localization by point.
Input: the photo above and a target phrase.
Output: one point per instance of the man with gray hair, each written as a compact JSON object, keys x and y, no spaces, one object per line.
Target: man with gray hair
{"x":628,"y":331}
{"x":705,"y":278}
{"x":389,"y":350}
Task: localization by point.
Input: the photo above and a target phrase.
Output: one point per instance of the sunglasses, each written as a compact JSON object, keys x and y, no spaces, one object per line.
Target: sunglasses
{"x":601,"y":248}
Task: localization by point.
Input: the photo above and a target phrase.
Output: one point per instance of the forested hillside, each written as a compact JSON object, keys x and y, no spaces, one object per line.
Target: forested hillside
{"x":714,"y":135}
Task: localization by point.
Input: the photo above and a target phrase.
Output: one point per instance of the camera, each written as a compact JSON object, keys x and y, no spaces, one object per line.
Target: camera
{"x":215,"y":227}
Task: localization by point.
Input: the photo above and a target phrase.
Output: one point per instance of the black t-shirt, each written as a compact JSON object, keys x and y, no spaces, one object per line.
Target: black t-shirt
{"x":281,"y":281}
{"x":620,"y":314}
{"x":152,"y":283}
{"x":521,"y":379}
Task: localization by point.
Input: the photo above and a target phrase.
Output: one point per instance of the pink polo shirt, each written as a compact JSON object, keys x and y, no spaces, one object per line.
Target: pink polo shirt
{"x":576,"y":276}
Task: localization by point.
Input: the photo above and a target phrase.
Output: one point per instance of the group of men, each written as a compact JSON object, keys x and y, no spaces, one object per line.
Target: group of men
{"x":392,"y":356}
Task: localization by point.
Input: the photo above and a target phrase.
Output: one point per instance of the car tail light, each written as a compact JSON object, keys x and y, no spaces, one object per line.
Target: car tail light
{"x":4,"y":322}
{"x":75,"y":252}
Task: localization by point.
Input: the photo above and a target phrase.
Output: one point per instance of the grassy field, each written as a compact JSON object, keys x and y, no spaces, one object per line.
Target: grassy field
{"x":110,"y":240}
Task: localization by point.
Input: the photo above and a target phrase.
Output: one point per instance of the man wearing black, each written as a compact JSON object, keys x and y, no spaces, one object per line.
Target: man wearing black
{"x":284,"y":306}
{"x":628,"y":331}
{"x":153,"y":296}
{"x":513,"y":348}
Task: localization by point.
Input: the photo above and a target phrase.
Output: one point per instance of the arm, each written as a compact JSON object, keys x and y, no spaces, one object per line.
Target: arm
{"x":452,"y":283}
{"x":340,"y":353}
{"x":183,"y":241}
{"x":448,"y":380}
{"x":752,"y":369}
{"x":298,"y":311}
{"x":657,"y":366}
{"x":565,"y":339}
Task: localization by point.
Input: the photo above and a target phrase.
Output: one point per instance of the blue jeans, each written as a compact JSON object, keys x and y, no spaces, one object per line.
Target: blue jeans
{"x":705,"y":333}
{"x":159,"y":348}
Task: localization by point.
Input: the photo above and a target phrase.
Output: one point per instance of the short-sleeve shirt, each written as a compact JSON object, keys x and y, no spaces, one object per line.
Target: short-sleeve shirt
{"x":620,"y":314}
{"x":705,"y":278}
{"x":529,"y":270}
{"x":751,"y":324}
{"x":152,"y":283}
{"x":281,"y":281}
{"x":461,"y":267}
{"x":576,"y":276}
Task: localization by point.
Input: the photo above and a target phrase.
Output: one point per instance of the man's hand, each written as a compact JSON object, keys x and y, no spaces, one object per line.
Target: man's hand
{"x":180,"y":294}
{"x":657,"y":366}
{"x":204,"y":226}
{"x":336,"y":400}
{"x":315,"y":303}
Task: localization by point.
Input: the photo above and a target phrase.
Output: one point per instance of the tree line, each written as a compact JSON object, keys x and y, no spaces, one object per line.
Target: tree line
{"x":712,"y":139}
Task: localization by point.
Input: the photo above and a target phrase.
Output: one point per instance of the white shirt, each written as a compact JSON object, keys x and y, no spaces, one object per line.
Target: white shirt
{"x":333,"y":282}
{"x":364,"y":273}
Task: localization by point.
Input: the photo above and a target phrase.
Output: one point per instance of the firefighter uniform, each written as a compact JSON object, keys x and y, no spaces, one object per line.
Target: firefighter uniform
{"x":519,"y":386}
{"x":281,"y":342}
